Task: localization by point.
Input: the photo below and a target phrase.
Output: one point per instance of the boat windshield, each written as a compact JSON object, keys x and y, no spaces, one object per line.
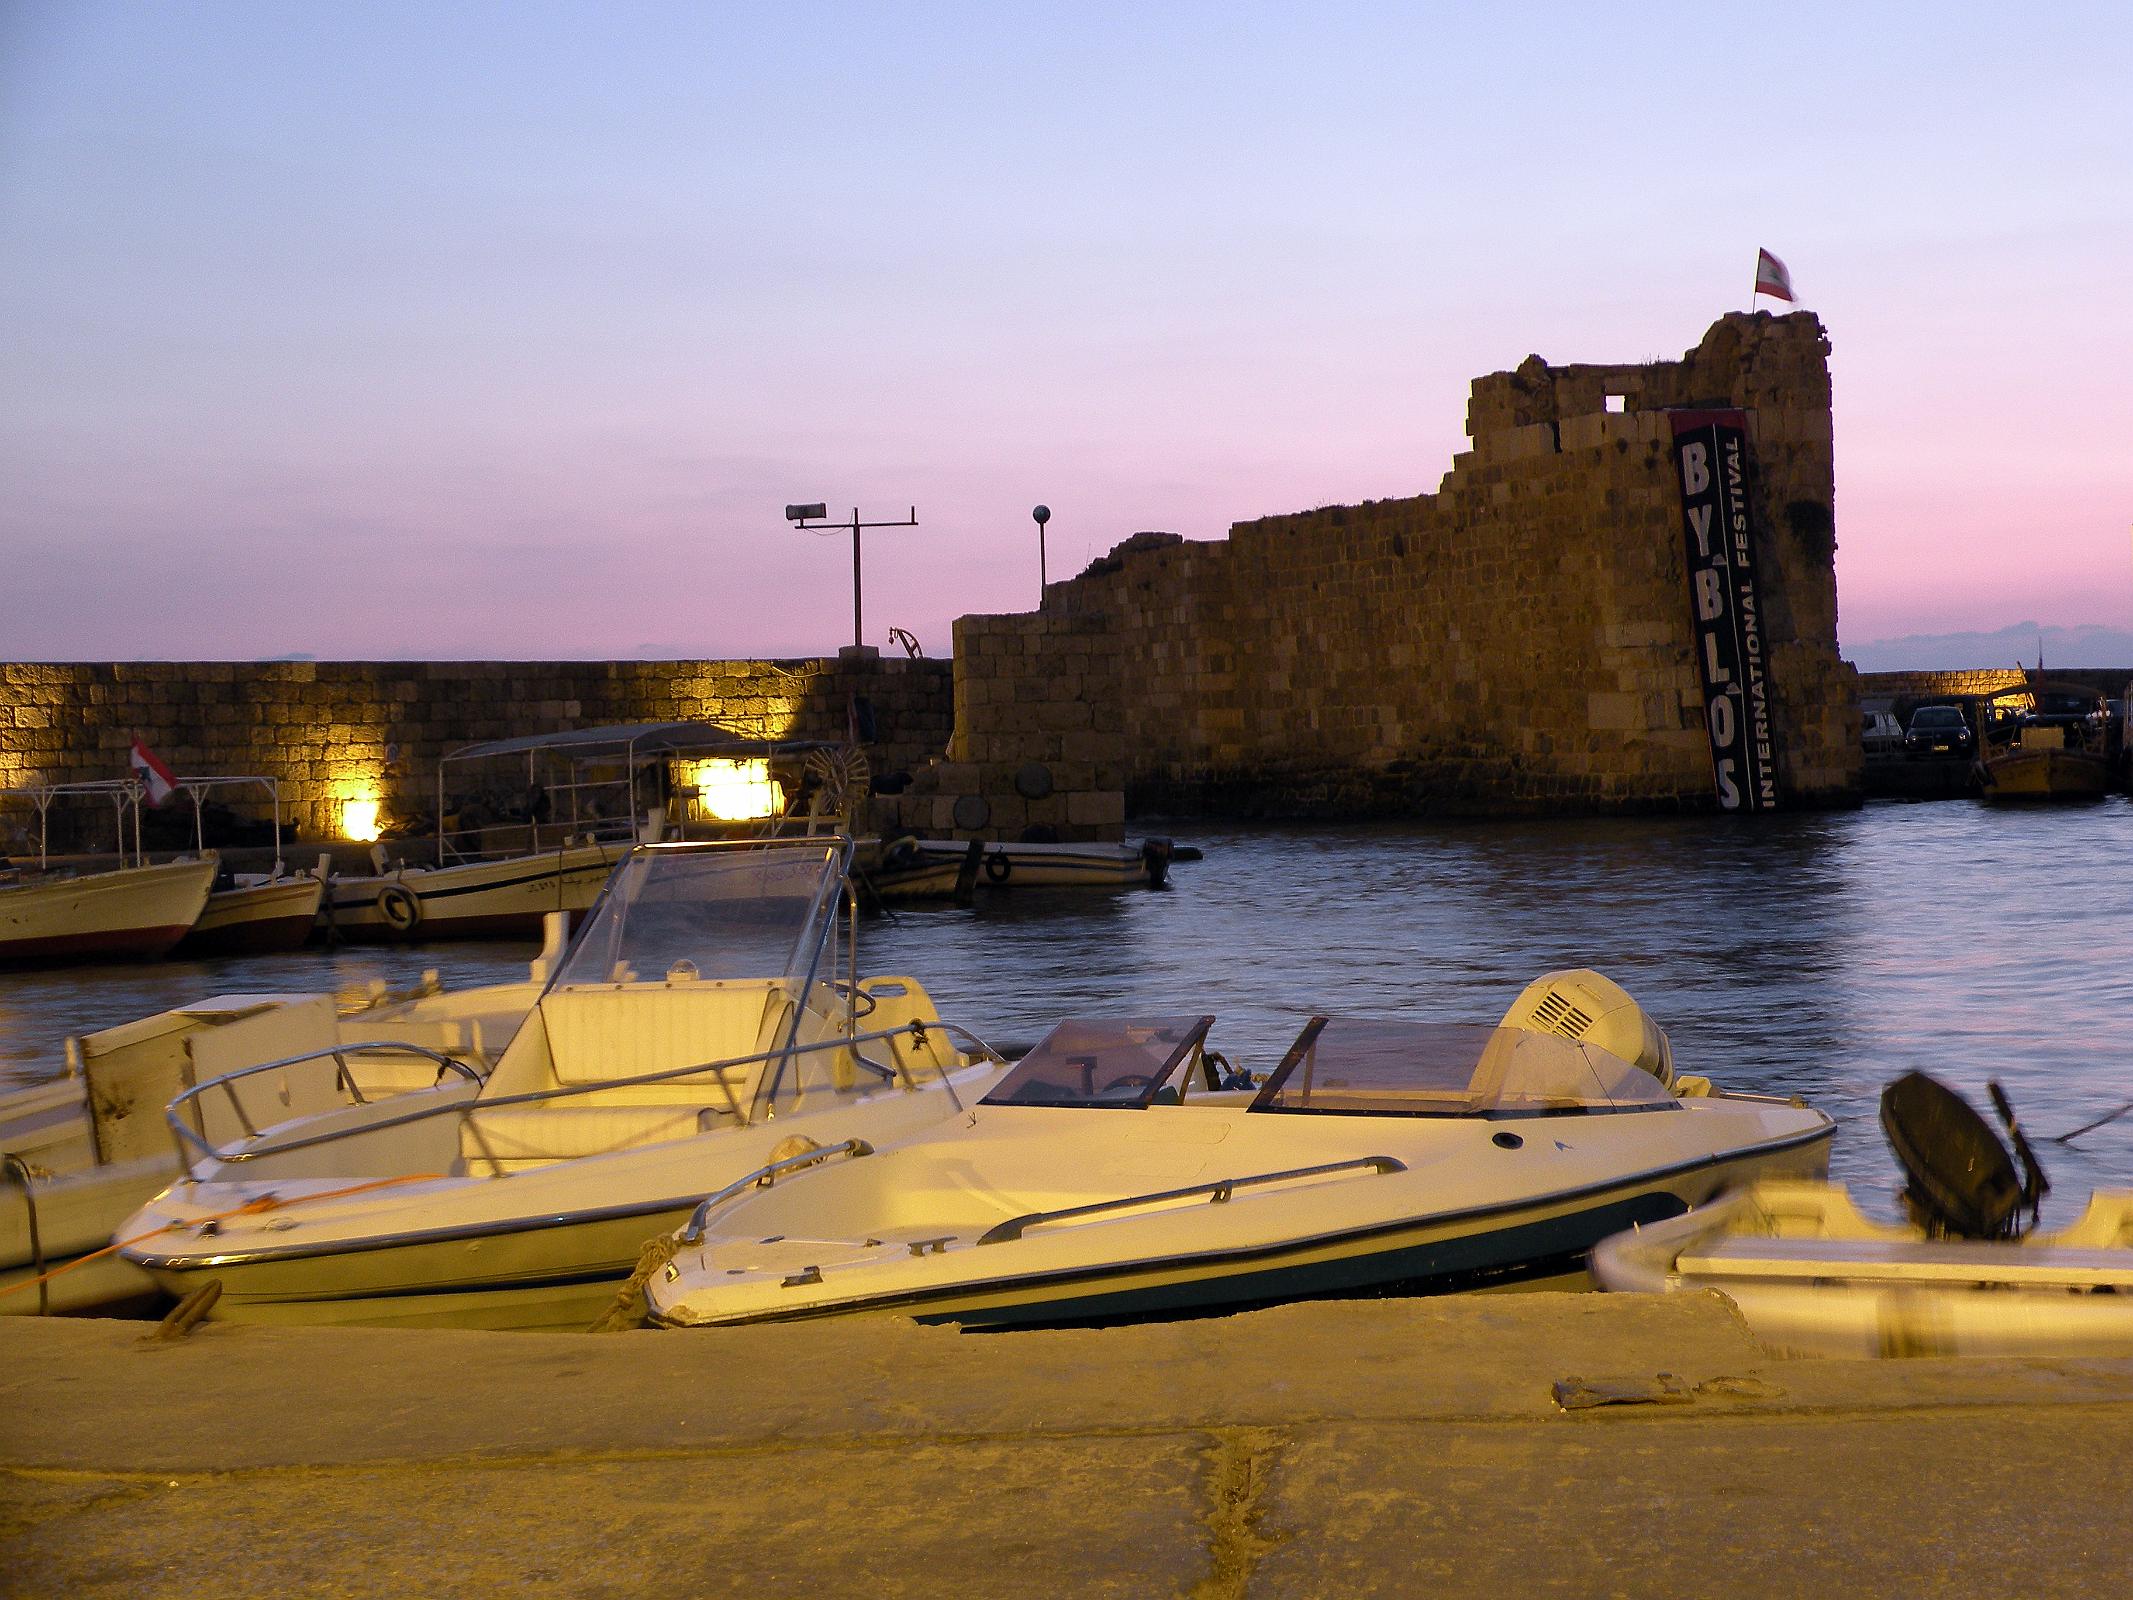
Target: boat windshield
{"x":1451,"y":1069}
{"x":674,"y":912}
{"x":1102,"y":1061}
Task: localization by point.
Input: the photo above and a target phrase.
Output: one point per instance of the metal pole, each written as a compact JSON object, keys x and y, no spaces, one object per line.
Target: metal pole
{"x":858,"y":633}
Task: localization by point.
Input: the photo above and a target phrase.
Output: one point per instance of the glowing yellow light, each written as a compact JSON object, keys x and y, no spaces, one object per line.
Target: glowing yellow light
{"x":359,"y":820}
{"x":734,"y":791}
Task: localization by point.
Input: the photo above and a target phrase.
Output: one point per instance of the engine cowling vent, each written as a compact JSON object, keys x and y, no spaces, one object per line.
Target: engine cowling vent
{"x":1555,"y":1014}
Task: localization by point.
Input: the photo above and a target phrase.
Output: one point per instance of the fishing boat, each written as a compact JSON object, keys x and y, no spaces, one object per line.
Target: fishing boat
{"x":1057,"y":866}
{"x":2059,"y":750}
{"x":134,"y":912}
{"x":701,"y":1021}
{"x":88,"y":1148}
{"x":499,"y":899}
{"x":257,"y":914}
{"x":585,"y":796}
{"x":1122,"y":1169}
{"x":1966,"y":1275}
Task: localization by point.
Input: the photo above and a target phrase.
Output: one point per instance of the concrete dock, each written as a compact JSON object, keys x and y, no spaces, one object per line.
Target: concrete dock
{"x":1390,"y":1447}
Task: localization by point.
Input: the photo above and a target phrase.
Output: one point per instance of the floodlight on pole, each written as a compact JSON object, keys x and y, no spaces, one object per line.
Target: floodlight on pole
{"x":809,"y":518}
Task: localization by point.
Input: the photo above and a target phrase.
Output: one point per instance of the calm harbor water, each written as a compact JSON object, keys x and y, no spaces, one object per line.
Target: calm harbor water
{"x":1816,"y":954}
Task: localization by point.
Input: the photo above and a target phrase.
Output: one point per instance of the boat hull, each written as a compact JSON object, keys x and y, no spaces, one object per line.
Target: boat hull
{"x":1811,"y":1276}
{"x":136,"y":913}
{"x":537,"y":1249}
{"x":1064,"y":866}
{"x":2034,"y":775}
{"x":1425,"y":1252}
{"x":475,"y":900}
{"x":256,"y":919}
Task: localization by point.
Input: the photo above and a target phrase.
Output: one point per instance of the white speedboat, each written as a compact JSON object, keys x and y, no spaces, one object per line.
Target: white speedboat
{"x":88,"y":1148}
{"x":698,"y":1023}
{"x":1115,"y":1171}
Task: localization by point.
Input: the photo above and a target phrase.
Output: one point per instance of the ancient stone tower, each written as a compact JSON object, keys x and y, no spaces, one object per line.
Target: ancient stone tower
{"x":1522,"y":640}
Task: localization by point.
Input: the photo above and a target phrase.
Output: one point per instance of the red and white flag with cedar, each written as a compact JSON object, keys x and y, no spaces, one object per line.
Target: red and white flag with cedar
{"x":1771,"y":278}
{"x":155,"y":779}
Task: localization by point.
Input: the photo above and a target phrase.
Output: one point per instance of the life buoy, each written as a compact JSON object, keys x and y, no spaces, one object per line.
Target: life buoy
{"x":399,"y":908}
{"x":998,"y":869}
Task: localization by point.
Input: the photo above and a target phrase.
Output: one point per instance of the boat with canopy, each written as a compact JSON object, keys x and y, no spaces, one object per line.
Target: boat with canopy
{"x":134,"y":912}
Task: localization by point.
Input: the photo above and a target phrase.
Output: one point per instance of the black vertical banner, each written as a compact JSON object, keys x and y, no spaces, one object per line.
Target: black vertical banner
{"x":1725,"y":606}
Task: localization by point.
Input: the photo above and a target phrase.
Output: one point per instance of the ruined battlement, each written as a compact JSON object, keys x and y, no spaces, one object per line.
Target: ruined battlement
{"x":1517,"y":640}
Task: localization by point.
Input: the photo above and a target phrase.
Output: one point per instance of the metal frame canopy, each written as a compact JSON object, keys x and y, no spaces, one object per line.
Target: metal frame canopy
{"x":628,"y":745}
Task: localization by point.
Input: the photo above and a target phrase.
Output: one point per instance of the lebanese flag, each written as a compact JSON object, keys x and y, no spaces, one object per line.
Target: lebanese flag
{"x":1771,"y":278}
{"x":154,"y":777}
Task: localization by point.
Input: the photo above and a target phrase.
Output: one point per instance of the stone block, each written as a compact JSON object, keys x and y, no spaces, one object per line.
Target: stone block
{"x":1103,"y":809}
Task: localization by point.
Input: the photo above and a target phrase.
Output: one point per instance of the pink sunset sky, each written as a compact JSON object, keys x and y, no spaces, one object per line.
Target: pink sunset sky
{"x":507,"y":331}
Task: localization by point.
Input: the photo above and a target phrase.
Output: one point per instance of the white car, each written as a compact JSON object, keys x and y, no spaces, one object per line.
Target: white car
{"x":1882,"y":734}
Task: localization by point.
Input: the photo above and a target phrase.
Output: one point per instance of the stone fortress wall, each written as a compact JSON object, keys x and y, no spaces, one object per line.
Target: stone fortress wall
{"x":1517,"y":641}
{"x":331,"y":731}
{"x":1882,"y":689}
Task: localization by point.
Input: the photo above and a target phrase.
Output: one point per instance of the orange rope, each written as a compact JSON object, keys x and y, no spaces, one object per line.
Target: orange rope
{"x":266,"y":1202}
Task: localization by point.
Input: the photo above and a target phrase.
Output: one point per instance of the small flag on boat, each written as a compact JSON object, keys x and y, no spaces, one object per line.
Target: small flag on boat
{"x":155,"y":778}
{"x":1771,"y":278}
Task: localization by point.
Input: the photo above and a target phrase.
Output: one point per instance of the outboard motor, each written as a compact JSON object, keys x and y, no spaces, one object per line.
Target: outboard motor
{"x":1960,"y":1181}
{"x":1155,"y":855}
{"x":1584,"y":1005}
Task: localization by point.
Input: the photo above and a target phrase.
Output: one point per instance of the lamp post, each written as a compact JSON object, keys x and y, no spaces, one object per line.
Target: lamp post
{"x":810,"y":519}
{"x":1040,"y":515}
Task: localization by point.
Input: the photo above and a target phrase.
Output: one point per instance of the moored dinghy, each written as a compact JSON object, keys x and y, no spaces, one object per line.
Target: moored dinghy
{"x":701,"y":1020}
{"x":1118,"y":1171}
{"x":1812,"y":1274}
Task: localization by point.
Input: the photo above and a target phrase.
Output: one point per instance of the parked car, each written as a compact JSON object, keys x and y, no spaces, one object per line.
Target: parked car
{"x":1882,"y":734}
{"x":1937,"y":729}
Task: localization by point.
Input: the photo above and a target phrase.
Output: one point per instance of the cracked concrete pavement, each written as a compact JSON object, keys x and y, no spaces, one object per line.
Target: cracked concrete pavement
{"x":1388,"y":1447}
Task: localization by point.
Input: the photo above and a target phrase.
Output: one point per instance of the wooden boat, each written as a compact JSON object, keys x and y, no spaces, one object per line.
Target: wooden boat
{"x":1057,"y":866}
{"x":1119,"y":1171}
{"x":136,"y":911}
{"x":1813,"y":1275}
{"x":505,"y":898}
{"x":256,"y":917}
{"x":582,"y":788}
{"x":2059,"y":750}
{"x":131,"y":914}
{"x":2040,"y":766}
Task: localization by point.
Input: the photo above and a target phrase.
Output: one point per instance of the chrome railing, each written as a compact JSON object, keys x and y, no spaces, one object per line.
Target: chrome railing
{"x":968,"y":1043}
{"x":693,"y":1232}
{"x":1217,"y":1192}
{"x":173,"y":1113}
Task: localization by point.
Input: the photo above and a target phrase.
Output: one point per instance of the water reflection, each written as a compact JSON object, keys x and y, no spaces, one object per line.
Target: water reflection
{"x":1818,"y":955}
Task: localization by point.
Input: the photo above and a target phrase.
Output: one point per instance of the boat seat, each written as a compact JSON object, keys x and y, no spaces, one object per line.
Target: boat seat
{"x":510,"y":1138}
{"x":599,"y":1033}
